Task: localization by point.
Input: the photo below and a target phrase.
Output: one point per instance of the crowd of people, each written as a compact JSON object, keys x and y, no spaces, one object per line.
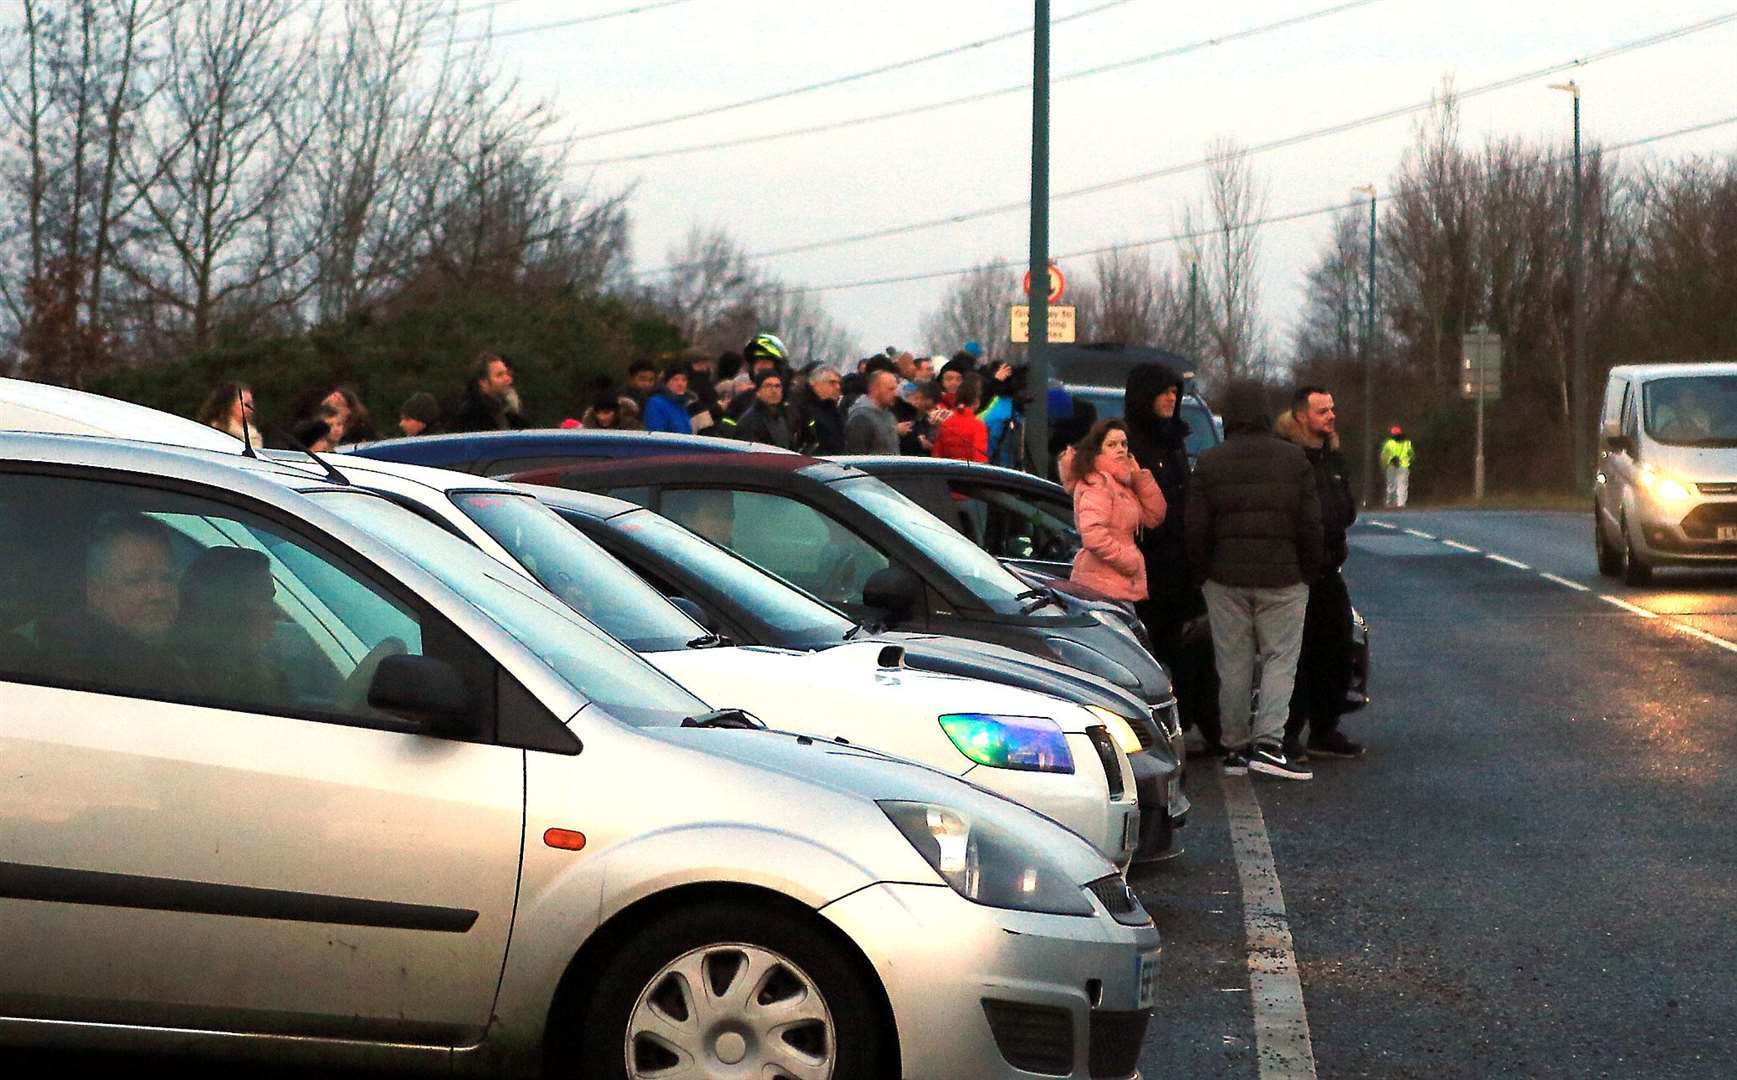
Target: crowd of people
{"x":1253,"y":538}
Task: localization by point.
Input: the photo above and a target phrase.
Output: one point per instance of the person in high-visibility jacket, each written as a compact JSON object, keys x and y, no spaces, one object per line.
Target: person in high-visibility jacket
{"x":1396,"y":455}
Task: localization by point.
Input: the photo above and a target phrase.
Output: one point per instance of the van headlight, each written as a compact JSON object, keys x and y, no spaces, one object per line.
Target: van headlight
{"x":1663,"y":488}
{"x":985,"y":864}
{"x":1119,"y":728}
{"x":1025,"y":743}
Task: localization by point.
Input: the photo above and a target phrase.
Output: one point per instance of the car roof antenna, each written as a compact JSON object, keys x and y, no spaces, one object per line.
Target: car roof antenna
{"x":332,"y":474}
{"x":246,"y":432}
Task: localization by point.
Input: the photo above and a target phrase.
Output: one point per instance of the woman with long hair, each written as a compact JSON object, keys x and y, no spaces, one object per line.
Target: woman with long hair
{"x":225,"y":408}
{"x":1114,"y":501}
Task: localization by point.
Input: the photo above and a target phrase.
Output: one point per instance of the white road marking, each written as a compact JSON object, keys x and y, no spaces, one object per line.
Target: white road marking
{"x":1455,"y":544}
{"x":1711,"y":639}
{"x":1505,"y":561}
{"x":1420,"y":534}
{"x":1575,"y":585}
{"x":1281,"y":1024}
{"x":1384,"y":524}
{"x":1632,"y":609}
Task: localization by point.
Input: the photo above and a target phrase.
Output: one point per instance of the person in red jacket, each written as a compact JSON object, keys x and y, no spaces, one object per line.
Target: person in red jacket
{"x":1114,"y":499}
{"x":962,"y":435}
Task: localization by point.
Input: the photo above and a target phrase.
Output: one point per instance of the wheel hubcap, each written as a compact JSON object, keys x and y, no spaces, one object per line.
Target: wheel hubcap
{"x":730,"y":1011}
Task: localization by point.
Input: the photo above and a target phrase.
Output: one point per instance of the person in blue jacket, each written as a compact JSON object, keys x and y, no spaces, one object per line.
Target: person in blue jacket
{"x":667,"y":410}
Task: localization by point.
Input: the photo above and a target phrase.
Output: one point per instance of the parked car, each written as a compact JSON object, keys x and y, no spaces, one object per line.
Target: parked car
{"x":1027,"y":523}
{"x":849,"y":539}
{"x":1666,"y":489}
{"x":1051,"y":755}
{"x":1097,"y":376}
{"x":280,"y":789}
{"x":501,"y":453}
{"x":733,"y":597}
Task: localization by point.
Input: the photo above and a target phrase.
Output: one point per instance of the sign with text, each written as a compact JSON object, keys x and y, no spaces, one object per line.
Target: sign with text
{"x":1481,"y":365}
{"x":1061,"y":324}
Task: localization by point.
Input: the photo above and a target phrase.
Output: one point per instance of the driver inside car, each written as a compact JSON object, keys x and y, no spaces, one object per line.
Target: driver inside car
{"x":130,"y":604}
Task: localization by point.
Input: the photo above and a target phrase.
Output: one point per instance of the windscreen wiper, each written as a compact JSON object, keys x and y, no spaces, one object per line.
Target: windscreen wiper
{"x":709,"y":641}
{"x":868,"y":629}
{"x":724,"y":718}
{"x":1043,"y":597}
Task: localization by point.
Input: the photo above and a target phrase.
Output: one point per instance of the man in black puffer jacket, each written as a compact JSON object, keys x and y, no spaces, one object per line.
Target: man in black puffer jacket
{"x":1253,"y":529}
{"x":1158,"y":439}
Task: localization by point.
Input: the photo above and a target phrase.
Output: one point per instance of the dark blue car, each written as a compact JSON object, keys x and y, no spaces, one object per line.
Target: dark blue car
{"x":501,"y":453}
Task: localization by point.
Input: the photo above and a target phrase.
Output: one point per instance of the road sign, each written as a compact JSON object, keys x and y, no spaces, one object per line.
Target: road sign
{"x":1481,"y":365}
{"x":1061,"y":324}
{"x":1057,"y":285}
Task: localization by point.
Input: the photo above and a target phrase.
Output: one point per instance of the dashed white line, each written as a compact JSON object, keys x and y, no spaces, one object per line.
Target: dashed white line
{"x":1282,"y":1043}
{"x":1420,"y":534}
{"x":1456,"y":545}
{"x":1575,"y":585}
{"x":1384,"y":524}
{"x":1632,"y":609}
{"x":1505,"y":561}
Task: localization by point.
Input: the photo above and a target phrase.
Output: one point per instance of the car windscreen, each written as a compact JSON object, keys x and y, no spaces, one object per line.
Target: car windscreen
{"x":968,"y":564}
{"x":583,"y":575}
{"x":1202,"y":432}
{"x":1692,"y":410}
{"x":602,"y":669}
{"x":766,"y":597}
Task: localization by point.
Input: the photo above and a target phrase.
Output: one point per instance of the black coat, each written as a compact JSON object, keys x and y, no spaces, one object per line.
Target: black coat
{"x":1332,"y":484}
{"x":822,"y":427}
{"x":766,"y":425}
{"x":478,"y":411}
{"x":1254,"y":518}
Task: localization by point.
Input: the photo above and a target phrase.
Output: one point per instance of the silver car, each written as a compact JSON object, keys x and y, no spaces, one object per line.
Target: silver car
{"x":276,"y":789}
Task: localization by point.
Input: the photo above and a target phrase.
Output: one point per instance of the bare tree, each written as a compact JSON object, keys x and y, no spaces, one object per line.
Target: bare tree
{"x":1131,"y":300}
{"x":976,"y":308}
{"x":710,"y":295}
{"x":1230,"y":257}
{"x":805,"y":326}
{"x":1335,"y":302}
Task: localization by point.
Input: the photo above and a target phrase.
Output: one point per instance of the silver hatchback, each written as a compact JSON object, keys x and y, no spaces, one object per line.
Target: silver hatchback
{"x":276,"y":789}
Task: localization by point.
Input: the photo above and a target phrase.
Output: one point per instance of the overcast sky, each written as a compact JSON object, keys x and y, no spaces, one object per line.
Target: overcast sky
{"x":695,"y":54}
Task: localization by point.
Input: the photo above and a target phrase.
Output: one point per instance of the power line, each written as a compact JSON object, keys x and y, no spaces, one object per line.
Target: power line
{"x":1259,"y":148}
{"x":969,"y":99}
{"x":577,"y":20}
{"x":824,"y":84}
{"x":1201,"y":234}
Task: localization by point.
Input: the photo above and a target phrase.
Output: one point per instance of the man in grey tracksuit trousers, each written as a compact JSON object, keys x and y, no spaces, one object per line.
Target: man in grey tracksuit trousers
{"x":1253,"y":530}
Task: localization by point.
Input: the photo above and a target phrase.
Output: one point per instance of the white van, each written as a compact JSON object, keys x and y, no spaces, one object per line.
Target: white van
{"x":1666,"y":489}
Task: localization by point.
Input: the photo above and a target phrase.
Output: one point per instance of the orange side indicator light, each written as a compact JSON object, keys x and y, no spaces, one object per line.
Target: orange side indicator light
{"x":565,"y":839}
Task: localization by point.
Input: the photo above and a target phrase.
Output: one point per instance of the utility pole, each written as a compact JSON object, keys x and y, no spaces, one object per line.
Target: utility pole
{"x":1037,"y":293}
{"x":1577,"y":315}
{"x":1370,"y":464}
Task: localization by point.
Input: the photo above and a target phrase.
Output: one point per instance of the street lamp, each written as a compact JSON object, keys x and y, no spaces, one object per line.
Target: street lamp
{"x":1577,"y":315}
{"x":1369,"y":357}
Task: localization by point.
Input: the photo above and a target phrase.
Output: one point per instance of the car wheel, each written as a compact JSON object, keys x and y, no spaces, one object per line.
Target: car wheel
{"x":1609,"y":559}
{"x":731,"y":991}
{"x":1634,"y":570}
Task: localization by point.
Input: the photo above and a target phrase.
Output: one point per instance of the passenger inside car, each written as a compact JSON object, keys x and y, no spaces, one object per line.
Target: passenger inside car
{"x":227,"y":622}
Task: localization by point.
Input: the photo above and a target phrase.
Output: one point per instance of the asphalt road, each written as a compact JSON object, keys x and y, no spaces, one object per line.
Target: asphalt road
{"x":1533,"y":871}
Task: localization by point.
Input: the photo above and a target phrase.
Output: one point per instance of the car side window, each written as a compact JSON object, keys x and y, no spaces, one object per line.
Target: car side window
{"x":152,"y":593}
{"x":781,"y":535}
{"x":1630,"y":414}
{"x":1016,"y":527}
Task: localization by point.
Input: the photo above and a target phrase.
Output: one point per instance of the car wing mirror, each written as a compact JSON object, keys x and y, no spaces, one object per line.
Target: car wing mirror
{"x":1619,"y":444}
{"x":421,"y":690}
{"x":894,"y":591}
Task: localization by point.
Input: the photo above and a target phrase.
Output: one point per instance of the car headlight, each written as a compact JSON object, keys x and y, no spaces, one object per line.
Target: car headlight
{"x":1092,"y":662}
{"x":985,"y":864}
{"x":1027,"y":743}
{"x":1662,"y":487}
{"x":1119,"y":728}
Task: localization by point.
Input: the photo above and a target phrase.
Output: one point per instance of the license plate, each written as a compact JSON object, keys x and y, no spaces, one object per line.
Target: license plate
{"x":1726,"y":532}
{"x":1146,"y":977}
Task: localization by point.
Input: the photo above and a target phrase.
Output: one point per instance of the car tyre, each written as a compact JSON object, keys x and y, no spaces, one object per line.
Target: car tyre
{"x":1635,"y":571}
{"x":1609,"y":558}
{"x":773,"y":988}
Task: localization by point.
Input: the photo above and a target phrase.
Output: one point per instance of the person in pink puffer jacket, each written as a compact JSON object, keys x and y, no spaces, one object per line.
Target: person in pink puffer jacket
{"x":1113,"y":500}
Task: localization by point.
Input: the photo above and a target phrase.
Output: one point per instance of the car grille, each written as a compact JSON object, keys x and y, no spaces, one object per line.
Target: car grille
{"x":1036,"y":1038}
{"x":1168,"y":718}
{"x":1116,"y":1039}
{"x":1703,"y":521}
{"x":1119,"y":900}
{"x":1106,"y":748}
{"x":1143,"y":732}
